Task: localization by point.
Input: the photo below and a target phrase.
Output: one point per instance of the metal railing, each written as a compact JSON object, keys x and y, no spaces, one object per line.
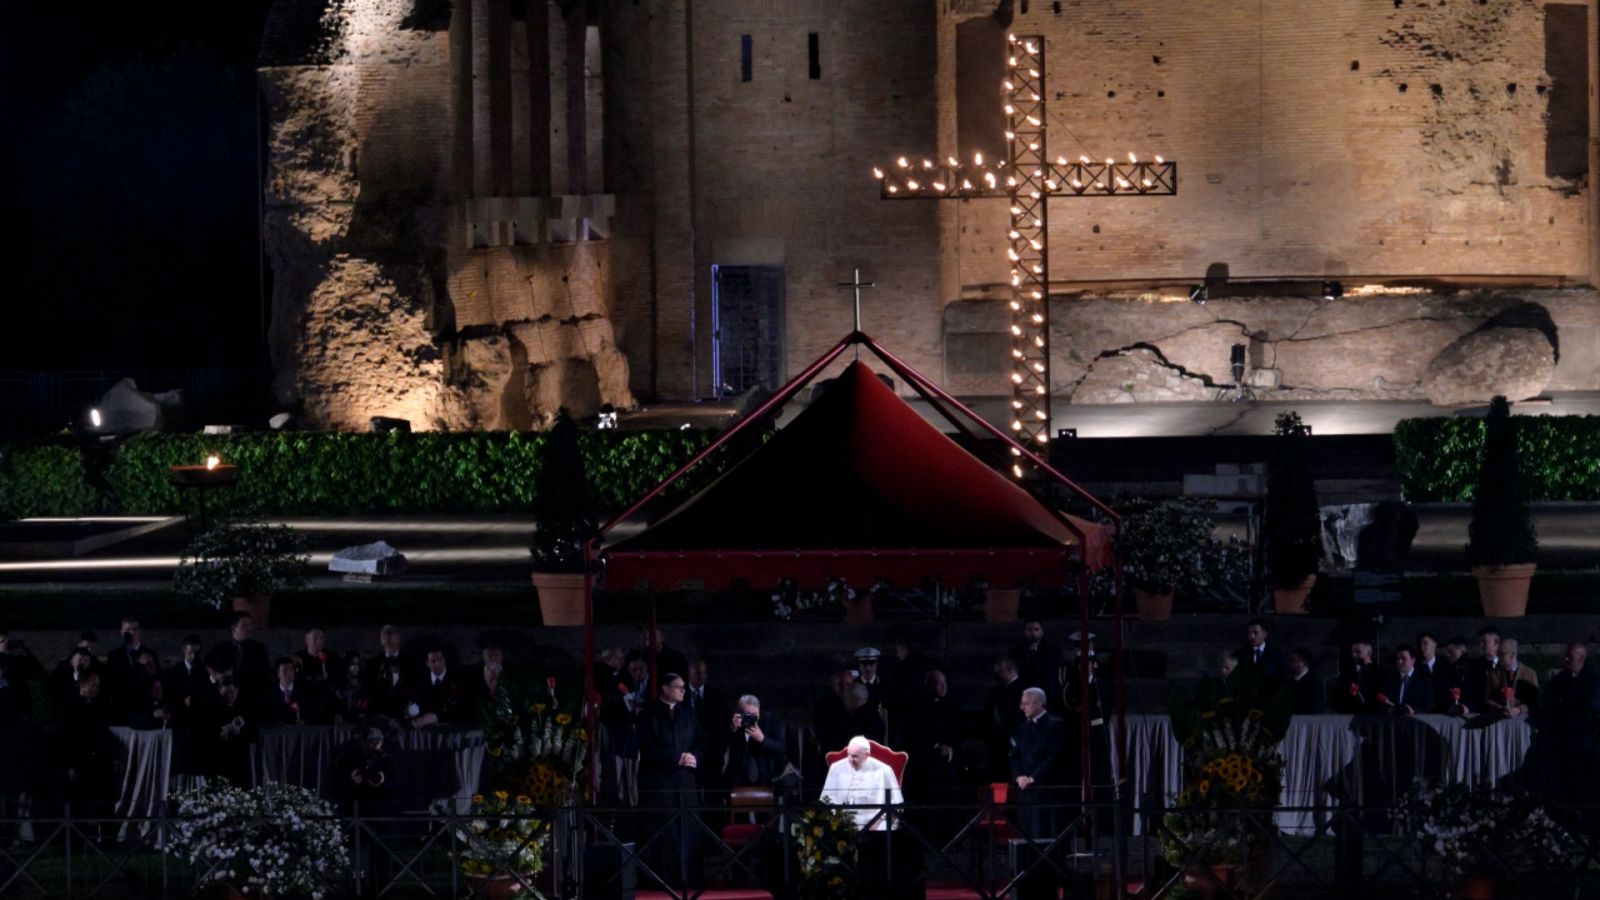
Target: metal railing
{"x":984,"y":851}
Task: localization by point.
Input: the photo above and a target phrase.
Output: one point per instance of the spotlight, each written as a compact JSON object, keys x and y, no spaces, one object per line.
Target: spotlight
{"x":1199,"y":294}
{"x":1065,"y":434}
{"x":1332,"y":290}
{"x":94,"y":417}
{"x":607,"y":418}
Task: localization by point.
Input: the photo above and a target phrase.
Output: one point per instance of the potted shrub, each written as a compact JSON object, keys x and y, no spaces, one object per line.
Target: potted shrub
{"x":1169,"y":548}
{"x":241,"y":564}
{"x":1502,"y":546}
{"x":563,"y":513}
{"x":1293,"y":528}
{"x":503,"y":845}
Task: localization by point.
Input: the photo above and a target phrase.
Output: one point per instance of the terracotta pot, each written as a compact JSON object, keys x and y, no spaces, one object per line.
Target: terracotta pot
{"x":560,"y":597}
{"x":497,"y":887}
{"x":1504,"y":589}
{"x":1152,"y":607}
{"x":1478,"y":887}
{"x":1000,"y":605}
{"x":1209,"y":881}
{"x":859,"y":610}
{"x":1292,"y":601}
{"x":259,"y":607}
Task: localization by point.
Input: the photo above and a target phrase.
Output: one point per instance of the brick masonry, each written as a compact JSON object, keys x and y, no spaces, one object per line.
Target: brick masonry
{"x":1366,"y":141}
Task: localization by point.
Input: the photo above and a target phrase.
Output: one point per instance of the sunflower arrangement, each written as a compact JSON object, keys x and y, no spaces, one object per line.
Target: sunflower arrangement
{"x":1232,"y":768}
{"x":825,"y":847}
{"x":504,"y":835}
{"x":537,"y":749}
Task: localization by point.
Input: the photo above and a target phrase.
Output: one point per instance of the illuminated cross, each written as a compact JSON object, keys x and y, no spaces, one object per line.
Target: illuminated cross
{"x":857,"y":284}
{"x":1028,"y":179}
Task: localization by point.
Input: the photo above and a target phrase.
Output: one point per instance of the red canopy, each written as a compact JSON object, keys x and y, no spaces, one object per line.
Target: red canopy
{"x":858,"y":486}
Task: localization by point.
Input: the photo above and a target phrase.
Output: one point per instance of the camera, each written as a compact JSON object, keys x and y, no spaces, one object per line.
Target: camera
{"x":748,"y":721}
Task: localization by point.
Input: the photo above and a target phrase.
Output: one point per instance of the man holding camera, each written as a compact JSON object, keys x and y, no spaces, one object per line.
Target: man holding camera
{"x":756,"y":752}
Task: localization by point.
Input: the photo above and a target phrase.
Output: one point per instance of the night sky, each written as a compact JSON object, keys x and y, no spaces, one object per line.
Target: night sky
{"x":132,"y":151}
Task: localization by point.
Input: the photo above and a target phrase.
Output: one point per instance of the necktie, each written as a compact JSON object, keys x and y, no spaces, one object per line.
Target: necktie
{"x":1403,"y":680}
{"x":1258,"y":656}
{"x":288,"y":694}
{"x":238,"y":656}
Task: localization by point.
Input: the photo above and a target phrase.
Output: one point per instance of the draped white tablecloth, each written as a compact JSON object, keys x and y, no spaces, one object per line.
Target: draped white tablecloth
{"x":432,"y":765}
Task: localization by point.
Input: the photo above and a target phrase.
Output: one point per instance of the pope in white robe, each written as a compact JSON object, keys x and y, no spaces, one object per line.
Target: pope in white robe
{"x":859,"y":780}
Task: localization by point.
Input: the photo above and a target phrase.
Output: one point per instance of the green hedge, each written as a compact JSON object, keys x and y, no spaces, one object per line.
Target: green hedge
{"x":46,"y":481}
{"x":340,"y":474}
{"x":1437,"y":459}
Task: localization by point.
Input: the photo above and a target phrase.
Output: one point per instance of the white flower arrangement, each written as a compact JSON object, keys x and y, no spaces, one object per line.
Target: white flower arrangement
{"x":277,"y":839}
{"x":787,"y":600}
{"x":1477,"y":830}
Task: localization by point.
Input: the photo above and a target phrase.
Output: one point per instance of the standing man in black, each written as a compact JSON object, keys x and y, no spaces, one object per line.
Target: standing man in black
{"x":1002,"y":715}
{"x":1263,"y":668}
{"x":1307,"y":694}
{"x":243,"y":656}
{"x":1037,"y":658}
{"x":711,"y":706}
{"x":1036,"y":763}
{"x":671,"y":745}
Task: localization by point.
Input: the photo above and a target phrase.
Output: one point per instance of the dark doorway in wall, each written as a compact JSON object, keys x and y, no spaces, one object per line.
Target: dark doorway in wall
{"x":1566,"y":64}
{"x":746,"y":328}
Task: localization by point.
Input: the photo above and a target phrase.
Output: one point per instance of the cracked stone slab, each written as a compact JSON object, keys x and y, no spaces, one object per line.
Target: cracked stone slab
{"x":1512,"y":362}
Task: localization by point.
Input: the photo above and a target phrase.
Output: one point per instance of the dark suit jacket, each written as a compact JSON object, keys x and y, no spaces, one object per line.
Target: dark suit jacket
{"x":1270,"y":673}
{"x":1036,"y":667}
{"x":1040,"y":750}
{"x":768,"y":757}
{"x":1003,"y":712}
{"x":252,"y":668}
{"x":306,"y":696}
{"x":1444,"y":676}
{"x":1343,"y":701}
{"x":180,"y":684}
{"x":122,"y":666}
{"x":1308,"y":696}
{"x":1418,"y":693}
{"x":10,"y":705}
{"x":313,"y":668}
{"x":371,"y":671}
{"x":447,"y":700}
{"x":664,"y":736}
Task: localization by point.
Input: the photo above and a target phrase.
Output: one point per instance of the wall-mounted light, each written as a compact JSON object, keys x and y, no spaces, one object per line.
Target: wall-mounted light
{"x":1332,"y":290}
{"x":1199,"y":294}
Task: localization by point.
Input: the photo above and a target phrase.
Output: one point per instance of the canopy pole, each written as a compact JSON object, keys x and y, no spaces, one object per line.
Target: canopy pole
{"x":1086,"y":714}
{"x":591,"y":697}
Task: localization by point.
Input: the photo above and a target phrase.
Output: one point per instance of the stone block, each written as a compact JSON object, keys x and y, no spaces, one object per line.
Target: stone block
{"x":1512,"y":362}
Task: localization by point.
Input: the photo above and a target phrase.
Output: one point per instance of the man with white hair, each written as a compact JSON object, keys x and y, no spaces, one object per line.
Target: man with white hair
{"x":859,"y":780}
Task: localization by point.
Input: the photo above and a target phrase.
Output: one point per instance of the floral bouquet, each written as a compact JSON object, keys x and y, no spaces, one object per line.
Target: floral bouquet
{"x":1232,"y":766}
{"x":825,"y":847}
{"x":539,"y":752}
{"x":503,"y":837}
{"x":276,"y":839}
{"x":1488,"y":832}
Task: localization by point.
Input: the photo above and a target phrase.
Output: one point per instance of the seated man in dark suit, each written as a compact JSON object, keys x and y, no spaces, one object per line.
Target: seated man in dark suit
{"x":292,"y":700}
{"x":1357,"y":685}
{"x":757,"y":752}
{"x":1406,"y":690}
{"x":441,"y":697}
{"x":1306,"y":692}
{"x":1441,"y":672}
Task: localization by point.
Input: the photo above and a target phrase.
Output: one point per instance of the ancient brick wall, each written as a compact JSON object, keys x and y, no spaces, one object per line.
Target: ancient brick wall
{"x":1365,"y":137}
